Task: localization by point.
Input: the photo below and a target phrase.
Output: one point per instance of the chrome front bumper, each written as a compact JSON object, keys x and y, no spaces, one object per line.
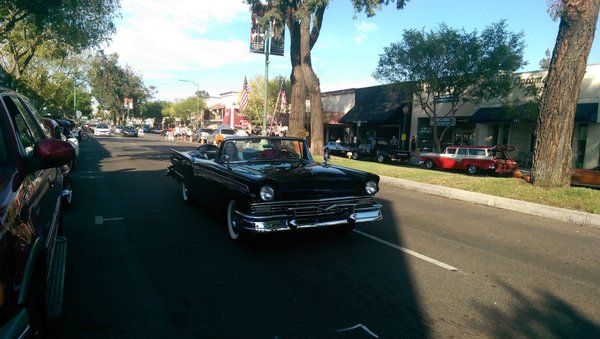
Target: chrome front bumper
{"x":302,"y":214}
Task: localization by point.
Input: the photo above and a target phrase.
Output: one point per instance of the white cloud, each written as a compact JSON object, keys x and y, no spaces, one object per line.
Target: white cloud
{"x":155,"y":35}
{"x":363,"y":29}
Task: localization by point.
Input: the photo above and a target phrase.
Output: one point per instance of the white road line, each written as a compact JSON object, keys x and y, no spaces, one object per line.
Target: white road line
{"x":361,"y":326}
{"x":99,"y":220}
{"x":407,"y":251}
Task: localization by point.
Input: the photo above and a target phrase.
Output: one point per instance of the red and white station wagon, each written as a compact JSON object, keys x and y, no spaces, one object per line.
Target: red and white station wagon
{"x":472,"y":159}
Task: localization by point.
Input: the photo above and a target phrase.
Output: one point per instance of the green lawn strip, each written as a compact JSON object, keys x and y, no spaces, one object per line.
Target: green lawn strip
{"x":576,"y":198}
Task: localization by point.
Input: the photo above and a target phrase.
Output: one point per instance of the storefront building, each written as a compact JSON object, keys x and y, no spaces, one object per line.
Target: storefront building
{"x":513,"y":121}
{"x":379,"y":111}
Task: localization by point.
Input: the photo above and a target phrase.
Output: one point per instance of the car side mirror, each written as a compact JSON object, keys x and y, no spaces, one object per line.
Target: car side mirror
{"x":49,"y":153}
{"x":326,"y":157}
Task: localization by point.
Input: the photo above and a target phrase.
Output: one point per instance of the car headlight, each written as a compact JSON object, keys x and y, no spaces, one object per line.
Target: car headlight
{"x":371,"y":187}
{"x":267,"y":193}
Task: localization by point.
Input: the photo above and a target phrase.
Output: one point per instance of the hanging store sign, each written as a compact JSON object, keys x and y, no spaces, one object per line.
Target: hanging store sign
{"x":443,"y":121}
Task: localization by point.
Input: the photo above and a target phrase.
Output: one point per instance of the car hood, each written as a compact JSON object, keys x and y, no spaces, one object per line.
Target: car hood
{"x":310,"y":180}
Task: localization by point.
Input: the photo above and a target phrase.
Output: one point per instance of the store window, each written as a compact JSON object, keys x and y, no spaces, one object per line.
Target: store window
{"x":580,"y":145}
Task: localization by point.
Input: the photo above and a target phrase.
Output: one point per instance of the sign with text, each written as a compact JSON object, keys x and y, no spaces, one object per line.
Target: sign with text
{"x":443,"y":121}
{"x":444,"y":98}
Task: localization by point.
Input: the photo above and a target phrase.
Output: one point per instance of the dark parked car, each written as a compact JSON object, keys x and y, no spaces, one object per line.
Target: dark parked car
{"x":32,"y":251}
{"x":336,"y":148}
{"x":271,"y":184}
{"x":129,"y":131}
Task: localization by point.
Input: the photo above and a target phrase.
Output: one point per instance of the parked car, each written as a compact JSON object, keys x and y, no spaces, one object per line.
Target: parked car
{"x":129,"y":131}
{"x":336,"y":148}
{"x":102,"y":129}
{"x":586,"y":177}
{"x":381,"y":150}
{"x":201,"y":135}
{"x":473,"y":159}
{"x":218,"y":134}
{"x":117,"y":129}
{"x":72,"y":135}
{"x":32,"y":249}
{"x":272,"y":184}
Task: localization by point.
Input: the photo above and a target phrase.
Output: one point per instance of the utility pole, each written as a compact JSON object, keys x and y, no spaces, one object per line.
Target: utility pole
{"x":267,"y":46}
{"x":197,"y":102}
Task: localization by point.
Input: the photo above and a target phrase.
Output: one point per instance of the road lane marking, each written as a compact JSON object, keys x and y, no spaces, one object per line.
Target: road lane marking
{"x":99,"y":220}
{"x":407,"y":251}
{"x":361,"y":326}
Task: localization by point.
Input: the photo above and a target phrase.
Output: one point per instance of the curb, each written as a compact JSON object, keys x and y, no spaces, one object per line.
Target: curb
{"x":556,"y":213}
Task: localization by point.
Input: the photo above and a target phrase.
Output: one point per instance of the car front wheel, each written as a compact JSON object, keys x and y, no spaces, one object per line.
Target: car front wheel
{"x":355,"y":155}
{"x":233,"y":226}
{"x":429,"y":164}
{"x":472,"y":169}
{"x":380,"y":158}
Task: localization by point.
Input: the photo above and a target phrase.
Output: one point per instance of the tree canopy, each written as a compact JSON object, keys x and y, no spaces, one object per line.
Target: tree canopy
{"x":111,"y":84}
{"x":452,"y":66}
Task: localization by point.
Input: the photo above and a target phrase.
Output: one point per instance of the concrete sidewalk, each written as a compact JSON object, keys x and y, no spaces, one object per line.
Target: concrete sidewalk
{"x":556,"y":213}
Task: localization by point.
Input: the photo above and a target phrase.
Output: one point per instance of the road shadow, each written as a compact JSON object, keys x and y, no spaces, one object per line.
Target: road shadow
{"x":542,"y":315}
{"x":155,"y":266}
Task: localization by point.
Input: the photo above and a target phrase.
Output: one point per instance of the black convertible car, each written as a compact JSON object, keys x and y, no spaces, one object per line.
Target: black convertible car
{"x":269,"y":184}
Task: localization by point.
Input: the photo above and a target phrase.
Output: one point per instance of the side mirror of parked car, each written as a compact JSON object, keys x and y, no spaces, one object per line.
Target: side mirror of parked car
{"x":50,"y":153}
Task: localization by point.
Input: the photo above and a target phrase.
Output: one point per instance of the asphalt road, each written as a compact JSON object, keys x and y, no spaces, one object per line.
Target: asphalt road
{"x":143,"y":264}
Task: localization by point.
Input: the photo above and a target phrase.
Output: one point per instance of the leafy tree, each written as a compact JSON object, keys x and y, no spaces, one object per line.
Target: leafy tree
{"x":57,"y":79}
{"x":545,"y":62}
{"x":154,"y":110}
{"x":111,"y":84}
{"x":448,"y":65}
{"x":58,"y":26}
{"x":552,"y":151}
{"x":255,"y":110}
{"x":185,"y":109}
{"x":304,"y":19}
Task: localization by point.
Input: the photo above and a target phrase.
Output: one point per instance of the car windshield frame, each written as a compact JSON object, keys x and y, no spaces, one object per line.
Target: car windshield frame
{"x":253,"y":150}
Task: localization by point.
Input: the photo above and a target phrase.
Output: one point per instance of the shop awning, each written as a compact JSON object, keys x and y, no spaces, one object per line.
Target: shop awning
{"x":377,"y":105}
{"x":373,"y":113}
{"x":217,"y":106}
{"x":528,"y":113}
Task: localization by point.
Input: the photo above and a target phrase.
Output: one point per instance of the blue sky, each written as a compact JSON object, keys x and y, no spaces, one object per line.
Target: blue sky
{"x":207,"y":42}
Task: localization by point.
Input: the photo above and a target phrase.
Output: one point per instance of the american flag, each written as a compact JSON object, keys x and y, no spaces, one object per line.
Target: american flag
{"x":283,"y":101}
{"x":245,"y":91}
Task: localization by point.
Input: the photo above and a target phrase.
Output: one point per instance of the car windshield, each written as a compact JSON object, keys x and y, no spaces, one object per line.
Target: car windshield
{"x":102,"y":126}
{"x":257,"y":150}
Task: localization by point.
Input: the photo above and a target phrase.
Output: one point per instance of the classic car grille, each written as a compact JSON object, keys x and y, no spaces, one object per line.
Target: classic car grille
{"x":313,"y":211}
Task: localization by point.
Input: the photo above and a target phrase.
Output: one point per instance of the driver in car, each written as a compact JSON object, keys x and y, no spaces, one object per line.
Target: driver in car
{"x":230,"y":150}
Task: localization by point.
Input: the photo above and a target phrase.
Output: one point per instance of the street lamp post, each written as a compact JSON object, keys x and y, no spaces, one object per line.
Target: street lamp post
{"x":197,"y":101}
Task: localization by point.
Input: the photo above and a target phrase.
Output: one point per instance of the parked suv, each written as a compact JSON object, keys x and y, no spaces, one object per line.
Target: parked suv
{"x":218,"y":134}
{"x":32,"y":252}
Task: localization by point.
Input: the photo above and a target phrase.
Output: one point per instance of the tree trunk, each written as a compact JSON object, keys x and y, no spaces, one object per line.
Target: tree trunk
{"x":314,"y":89}
{"x":552,"y":156}
{"x":298,"y":99}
